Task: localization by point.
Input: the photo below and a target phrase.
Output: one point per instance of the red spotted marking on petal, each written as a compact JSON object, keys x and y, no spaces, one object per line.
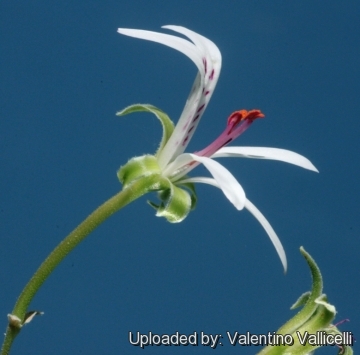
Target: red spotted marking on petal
{"x":191,"y":128}
{"x":211,"y":76}
{"x":205,"y":64}
{"x":196,"y":117}
{"x":200,"y":108}
{"x":185,"y":140}
{"x":185,"y":126}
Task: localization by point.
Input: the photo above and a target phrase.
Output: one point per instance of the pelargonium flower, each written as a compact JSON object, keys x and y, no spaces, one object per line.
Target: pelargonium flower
{"x":170,"y":162}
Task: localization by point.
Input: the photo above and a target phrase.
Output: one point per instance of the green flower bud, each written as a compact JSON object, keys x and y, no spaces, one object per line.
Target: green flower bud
{"x":312,"y":326}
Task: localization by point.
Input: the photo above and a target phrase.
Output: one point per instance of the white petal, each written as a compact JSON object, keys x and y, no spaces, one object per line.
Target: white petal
{"x":255,"y":212}
{"x":227,"y":183}
{"x":180,"y":44}
{"x":204,"y":44}
{"x":184,"y":129}
{"x":284,"y":155}
{"x":207,"y":58}
{"x":269,"y":230}
{"x":202,"y":180}
{"x":186,"y":124}
{"x":199,"y":97}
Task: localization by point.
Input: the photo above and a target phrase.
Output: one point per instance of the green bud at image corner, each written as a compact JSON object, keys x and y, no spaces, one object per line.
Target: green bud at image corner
{"x":311,"y":328}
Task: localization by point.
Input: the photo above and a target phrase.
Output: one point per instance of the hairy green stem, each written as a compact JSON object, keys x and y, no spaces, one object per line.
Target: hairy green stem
{"x":115,"y":203}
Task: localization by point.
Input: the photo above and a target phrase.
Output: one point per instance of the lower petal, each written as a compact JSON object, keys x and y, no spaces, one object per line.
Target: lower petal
{"x":255,"y":212}
{"x":269,"y":230}
{"x":226,"y":181}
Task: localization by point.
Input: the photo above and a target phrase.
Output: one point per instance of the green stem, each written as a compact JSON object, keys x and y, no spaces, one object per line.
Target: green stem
{"x":115,"y":203}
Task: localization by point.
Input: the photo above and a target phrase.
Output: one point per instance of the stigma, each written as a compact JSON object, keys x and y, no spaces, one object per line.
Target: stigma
{"x":243,"y":115}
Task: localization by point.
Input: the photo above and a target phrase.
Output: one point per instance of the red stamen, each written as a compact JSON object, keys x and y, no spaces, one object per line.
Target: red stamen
{"x":236,"y":117}
{"x":238,"y":122}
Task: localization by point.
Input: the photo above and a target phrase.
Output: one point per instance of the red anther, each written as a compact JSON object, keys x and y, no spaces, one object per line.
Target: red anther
{"x":236,"y":117}
{"x":254,"y":114}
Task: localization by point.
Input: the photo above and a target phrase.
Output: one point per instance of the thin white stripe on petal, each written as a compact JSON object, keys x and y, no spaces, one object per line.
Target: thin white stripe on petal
{"x":201,"y":180}
{"x":284,"y":155}
{"x":227,"y":182}
{"x":269,"y":230}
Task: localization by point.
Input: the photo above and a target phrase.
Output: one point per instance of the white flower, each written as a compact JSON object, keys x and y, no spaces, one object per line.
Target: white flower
{"x":174,"y":164}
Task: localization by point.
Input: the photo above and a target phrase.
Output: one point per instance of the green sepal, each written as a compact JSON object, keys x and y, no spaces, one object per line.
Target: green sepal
{"x":167,"y":124}
{"x":310,"y":306}
{"x":301,"y":301}
{"x":320,"y":321}
{"x":175,"y":204}
{"x":138,"y":167}
{"x":191,"y":187}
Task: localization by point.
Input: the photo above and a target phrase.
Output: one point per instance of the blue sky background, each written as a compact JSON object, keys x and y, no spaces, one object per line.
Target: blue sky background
{"x":65,"y":72}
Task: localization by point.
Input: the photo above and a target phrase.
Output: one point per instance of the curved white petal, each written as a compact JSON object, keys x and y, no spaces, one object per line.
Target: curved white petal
{"x":207,"y":58}
{"x":226,"y":181}
{"x":284,"y":155}
{"x":269,"y":230}
{"x":180,"y":44}
{"x":255,"y":212}
{"x":186,"y":125}
{"x":203,"y":43}
{"x":203,"y":180}
{"x":199,"y":97}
